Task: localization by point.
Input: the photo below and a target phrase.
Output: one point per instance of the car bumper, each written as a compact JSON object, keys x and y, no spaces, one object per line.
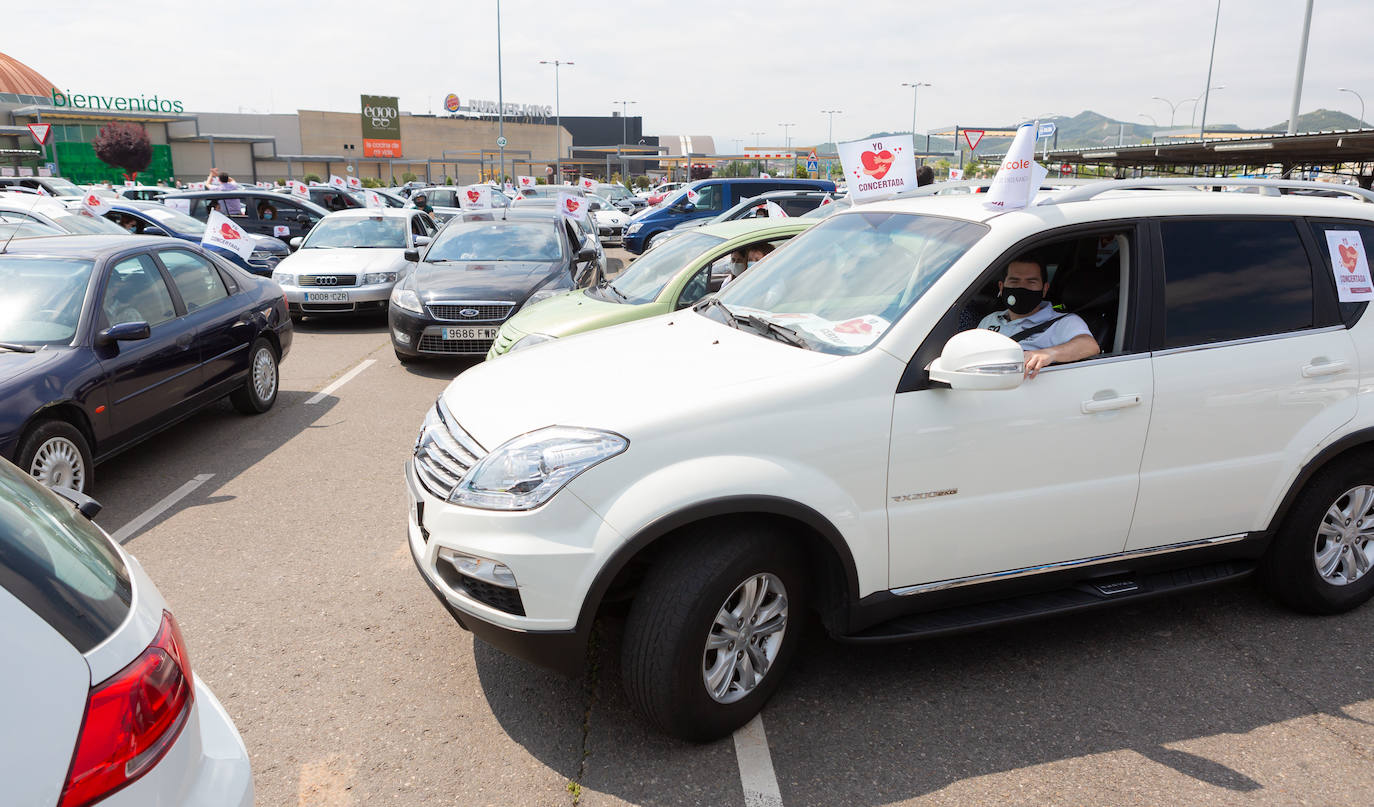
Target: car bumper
{"x":548,"y":552}
{"x":206,"y":767}
{"x":611,"y":234}
{"x":635,"y":242}
{"x":361,"y":299}
{"x":421,"y":335}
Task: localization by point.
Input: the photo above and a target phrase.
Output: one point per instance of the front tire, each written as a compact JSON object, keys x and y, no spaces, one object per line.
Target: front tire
{"x":1321,"y":559}
{"x":712,"y":630}
{"x":259,"y":390}
{"x":57,"y":454}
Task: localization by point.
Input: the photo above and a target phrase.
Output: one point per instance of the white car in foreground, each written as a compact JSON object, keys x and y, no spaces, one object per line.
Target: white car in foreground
{"x":98,"y":702}
{"x":832,"y":433}
{"x":350,"y":260}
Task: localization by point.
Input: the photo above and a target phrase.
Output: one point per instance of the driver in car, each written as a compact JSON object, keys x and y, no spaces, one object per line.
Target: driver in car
{"x":1047,"y":336}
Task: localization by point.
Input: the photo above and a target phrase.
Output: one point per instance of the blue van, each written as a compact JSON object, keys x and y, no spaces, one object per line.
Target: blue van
{"x":713,"y":197}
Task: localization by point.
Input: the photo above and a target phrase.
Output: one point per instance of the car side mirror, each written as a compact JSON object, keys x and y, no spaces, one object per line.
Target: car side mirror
{"x":422,"y":240}
{"x":688,"y":207}
{"x":586,"y":254}
{"x":979,"y":359}
{"x":299,"y":217}
{"x":296,"y":243}
{"x":151,"y":230}
{"x":412,"y":255}
{"x":124,"y":332}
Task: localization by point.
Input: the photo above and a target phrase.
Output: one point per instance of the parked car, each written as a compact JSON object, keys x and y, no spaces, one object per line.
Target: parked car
{"x":666,"y":279}
{"x":480,"y":269}
{"x":329,"y":197}
{"x":143,"y":193}
{"x":56,"y":214}
{"x":792,"y":203}
{"x":658,"y":193}
{"x":53,"y":186}
{"x":828,"y":434}
{"x":110,"y":339}
{"x":152,"y":218}
{"x":590,"y":229}
{"x":350,"y":261}
{"x":620,"y":197}
{"x":255,"y":210}
{"x":607,"y":223}
{"x":713,"y":196}
{"x":101,"y":705}
{"x":445,"y":199}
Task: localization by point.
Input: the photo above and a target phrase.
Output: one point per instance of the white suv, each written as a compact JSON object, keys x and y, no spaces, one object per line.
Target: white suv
{"x":826,"y":436}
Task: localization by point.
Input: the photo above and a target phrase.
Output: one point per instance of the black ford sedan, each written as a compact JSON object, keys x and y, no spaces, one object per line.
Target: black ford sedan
{"x":480,"y":269}
{"x":106,"y":340}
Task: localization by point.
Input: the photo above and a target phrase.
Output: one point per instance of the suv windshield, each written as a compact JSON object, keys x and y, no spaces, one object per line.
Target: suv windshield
{"x":495,"y":241}
{"x":58,"y":564}
{"x":646,"y":277}
{"x":357,"y":231}
{"x":42,"y":300}
{"x":843,"y":283}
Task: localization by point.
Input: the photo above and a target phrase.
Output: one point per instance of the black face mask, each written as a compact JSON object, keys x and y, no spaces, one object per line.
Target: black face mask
{"x":1021,"y":301}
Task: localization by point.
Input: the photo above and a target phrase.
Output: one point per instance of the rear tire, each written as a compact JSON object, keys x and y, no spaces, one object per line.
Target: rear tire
{"x":712,"y":610}
{"x":259,"y":390}
{"x":1320,"y":561}
{"x":57,"y":454}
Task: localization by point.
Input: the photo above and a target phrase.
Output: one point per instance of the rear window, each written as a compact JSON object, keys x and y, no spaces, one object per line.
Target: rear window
{"x":58,"y":563}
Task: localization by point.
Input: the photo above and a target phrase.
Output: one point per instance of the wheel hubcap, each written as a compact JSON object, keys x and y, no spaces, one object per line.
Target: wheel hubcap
{"x":58,"y":463}
{"x":1343,"y":551}
{"x":745,"y":638}
{"x":264,"y":374}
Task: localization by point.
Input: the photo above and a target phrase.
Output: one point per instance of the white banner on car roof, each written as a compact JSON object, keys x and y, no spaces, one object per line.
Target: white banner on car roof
{"x":572,"y":206}
{"x":298,"y":189}
{"x":354,"y":183}
{"x":337,"y":181}
{"x":95,"y":205}
{"x":1019,"y":176}
{"x":475,"y":197}
{"x":373,"y":199}
{"x":225,"y":234}
{"x":879,"y":167}
{"x":525,"y":182}
{"x":587,"y":183}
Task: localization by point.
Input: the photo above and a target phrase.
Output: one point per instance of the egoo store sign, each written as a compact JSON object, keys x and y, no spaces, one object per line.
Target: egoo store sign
{"x":381,"y":126}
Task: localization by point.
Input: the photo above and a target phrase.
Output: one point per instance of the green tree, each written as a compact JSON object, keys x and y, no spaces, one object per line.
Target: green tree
{"x":800,"y":172}
{"x":369,"y":182}
{"x":309,"y":178}
{"x":408,"y":177}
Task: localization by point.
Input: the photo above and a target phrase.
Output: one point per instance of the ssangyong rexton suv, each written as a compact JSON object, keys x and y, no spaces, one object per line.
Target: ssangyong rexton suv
{"x":827,"y":436}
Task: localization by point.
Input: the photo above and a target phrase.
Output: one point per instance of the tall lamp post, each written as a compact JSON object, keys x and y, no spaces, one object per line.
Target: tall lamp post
{"x":1172,"y":106}
{"x":788,"y":138}
{"x":915,"y":88}
{"x":832,"y":113}
{"x":500,"y":101}
{"x":1207,"y":93}
{"x":1357,"y":95}
{"x":624,"y":138}
{"x":558,"y":115}
{"x":757,"y":135}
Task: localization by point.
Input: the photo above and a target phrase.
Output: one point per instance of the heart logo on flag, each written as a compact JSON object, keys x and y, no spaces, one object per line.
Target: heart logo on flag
{"x":827,"y":201}
{"x":571,"y":205}
{"x":854,"y":325}
{"x":94,"y":201}
{"x":526,"y":181}
{"x":473,"y":196}
{"x":876,"y":164}
{"x":227,"y":230}
{"x":1349,"y":257}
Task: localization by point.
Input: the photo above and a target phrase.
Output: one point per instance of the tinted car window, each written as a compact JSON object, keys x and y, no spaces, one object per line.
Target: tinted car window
{"x":135,"y":292}
{"x":199,"y":284}
{"x":1228,"y":280}
{"x":58,"y":564}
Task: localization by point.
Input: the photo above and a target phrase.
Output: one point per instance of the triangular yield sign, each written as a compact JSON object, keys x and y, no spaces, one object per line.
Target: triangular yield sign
{"x":971,"y":140}
{"x":40,"y":132}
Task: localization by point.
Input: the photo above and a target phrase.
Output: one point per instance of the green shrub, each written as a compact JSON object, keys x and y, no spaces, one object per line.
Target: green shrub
{"x":309,"y":178}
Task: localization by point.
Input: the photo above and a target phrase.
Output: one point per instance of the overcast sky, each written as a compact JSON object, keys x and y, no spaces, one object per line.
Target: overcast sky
{"x":725,"y":68}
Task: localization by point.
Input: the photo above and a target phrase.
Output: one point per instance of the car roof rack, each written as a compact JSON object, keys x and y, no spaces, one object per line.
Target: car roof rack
{"x":1272,"y":187}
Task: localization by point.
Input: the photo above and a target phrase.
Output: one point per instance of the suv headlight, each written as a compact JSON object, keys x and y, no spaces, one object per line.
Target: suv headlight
{"x":528,"y":470}
{"x":530,"y":341}
{"x":379,"y":277}
{"x":634,"y":227}
{"x":406,"y":299}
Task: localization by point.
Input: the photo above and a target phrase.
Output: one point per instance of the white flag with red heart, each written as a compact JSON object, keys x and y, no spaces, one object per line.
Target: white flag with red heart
{"x":354,"y":183}
{"x":373,"y":199}
{"x":475,"y":197}
{"x":95,"y":205}
{"x":196,"y":186}
{"x":775,"y":210}
{"x":525,"y":182}
{"x":337,"y":181}
{"x":879,"y":167}
{"x":298,"y":189}
{"x":572,"y":206}
{"x":587,"y":183}
{"x":1019,"y":176}
{"x":41,"y":191}
{"x":692,"y":196}
{"x":827,"y":201}
{"x":225,"y":234}
{"x":519,"y":197}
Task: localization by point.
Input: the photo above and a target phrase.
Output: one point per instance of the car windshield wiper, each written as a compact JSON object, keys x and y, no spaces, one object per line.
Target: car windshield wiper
{"x":731,"y":318}
{"x":614,"y":290}
{"x":18,"y":348}
{"x":782,"y":333}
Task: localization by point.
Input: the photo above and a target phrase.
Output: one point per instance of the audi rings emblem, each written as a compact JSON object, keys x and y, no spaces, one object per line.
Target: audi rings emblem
{"x":326,"y":280}
{"x":468,"y":312}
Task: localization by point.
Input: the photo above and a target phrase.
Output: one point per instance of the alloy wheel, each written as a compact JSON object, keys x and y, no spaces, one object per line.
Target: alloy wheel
{"x":1344,"y":546}
{"x":745,"y":638}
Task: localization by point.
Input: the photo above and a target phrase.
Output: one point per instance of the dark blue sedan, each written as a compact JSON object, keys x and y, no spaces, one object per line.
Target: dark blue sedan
{"x":153,"y":218}
{"x":106,"y":340}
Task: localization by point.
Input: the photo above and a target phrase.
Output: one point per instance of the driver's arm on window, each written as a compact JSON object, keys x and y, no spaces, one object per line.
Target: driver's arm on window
{"x":1080,"y":347}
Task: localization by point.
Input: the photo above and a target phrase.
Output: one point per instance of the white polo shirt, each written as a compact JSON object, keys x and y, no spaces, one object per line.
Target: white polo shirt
{"x":1065,"y":328}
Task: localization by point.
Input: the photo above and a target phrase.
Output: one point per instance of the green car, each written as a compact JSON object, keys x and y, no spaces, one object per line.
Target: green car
{"x":671,"y":276}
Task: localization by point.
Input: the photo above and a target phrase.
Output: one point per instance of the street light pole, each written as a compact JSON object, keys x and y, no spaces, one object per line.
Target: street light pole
{"x":756,"y":145}
{"x":1207,"y":94}
{"x":558,"y":116}
{"x":1172,"y":106}
{"x":832,"y":113}
{"x":500,"y":102}
{"x":1357,"y":95}
{"x":788,"y":138}
{"x":1302,"y":64}
{"x":915,"y":88}
{"x":624,"y":137}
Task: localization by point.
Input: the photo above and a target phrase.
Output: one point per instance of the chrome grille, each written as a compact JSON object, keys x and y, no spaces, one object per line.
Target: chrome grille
{"x":444,"y":452}
{"x":486,"y":312}
{"x":339,"y":280}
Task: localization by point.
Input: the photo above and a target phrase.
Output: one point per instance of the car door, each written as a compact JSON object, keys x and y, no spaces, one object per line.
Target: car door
{"x":147,"y":380}
{"x":297,"y":219}
{"x":1253,"y":368}
{"x":992,"y":482}
{"x":223,"y":330}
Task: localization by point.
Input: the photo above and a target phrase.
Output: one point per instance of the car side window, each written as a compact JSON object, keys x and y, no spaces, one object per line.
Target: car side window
{"x":1231,"y":279}
{"x":709,"y":197}
{"x":197,"y":281}
{"x":136,"y":292}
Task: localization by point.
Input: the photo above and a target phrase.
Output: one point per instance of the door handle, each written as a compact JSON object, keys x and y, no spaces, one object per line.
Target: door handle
{"x":184,"y":341}
{"x":1326,"y":368}
{"x":1106,"y":404}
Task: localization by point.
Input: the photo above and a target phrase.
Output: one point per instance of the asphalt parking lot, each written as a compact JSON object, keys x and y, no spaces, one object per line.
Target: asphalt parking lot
{"x":279,"y":542}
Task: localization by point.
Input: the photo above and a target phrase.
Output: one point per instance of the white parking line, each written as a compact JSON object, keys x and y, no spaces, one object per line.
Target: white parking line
{"x":128,"y":531}
{"x":756,"y":766}
{"x":344,"y":379}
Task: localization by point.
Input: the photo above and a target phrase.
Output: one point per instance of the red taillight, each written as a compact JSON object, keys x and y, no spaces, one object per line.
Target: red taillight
{"x":132,"y":719}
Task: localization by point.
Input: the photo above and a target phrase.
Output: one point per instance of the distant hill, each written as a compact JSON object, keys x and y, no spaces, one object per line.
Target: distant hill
{"x":1323,"y":120}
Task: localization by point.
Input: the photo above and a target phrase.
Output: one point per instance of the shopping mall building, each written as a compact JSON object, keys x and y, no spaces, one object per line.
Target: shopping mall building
{"x":383,"y":144}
